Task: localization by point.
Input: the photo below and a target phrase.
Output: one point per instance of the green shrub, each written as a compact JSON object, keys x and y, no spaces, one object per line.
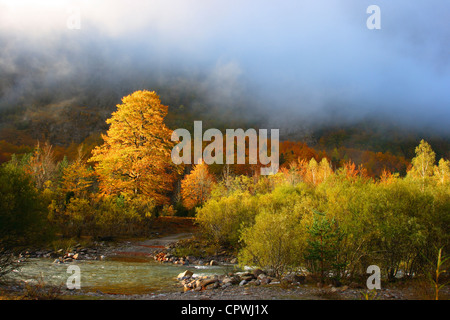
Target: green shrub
{"x":221,"y":219}
{"x":22,"y":215}
{"x":274,"y":243}
{"x":117,"y":216}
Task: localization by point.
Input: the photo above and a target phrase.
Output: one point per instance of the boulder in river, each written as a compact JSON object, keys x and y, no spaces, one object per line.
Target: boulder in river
{"x":213,"y":263}
{"x":184,"y":275}
{"x":242,"y":283}
{"x":207,"y":282}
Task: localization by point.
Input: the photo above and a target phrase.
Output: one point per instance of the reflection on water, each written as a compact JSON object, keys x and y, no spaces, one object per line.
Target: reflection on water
{"x":124,"y":275}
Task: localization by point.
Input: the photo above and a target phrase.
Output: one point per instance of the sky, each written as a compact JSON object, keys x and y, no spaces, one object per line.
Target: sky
{"x":291,"y":61}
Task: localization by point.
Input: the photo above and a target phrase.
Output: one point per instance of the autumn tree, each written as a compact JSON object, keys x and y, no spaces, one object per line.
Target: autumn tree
{"x":352,"y":171}
{"x":135,"y":156}
{"x":196,"y":186}
{"x":227,"y":176}
{"x":77,"y":177}
{"x":387,"y":177}
{"x":442,"y":172}
{"x":291,"y":151}
{"x":311,"y":172}
{"x":292,"y":174}
{"x":41,"y":165}
{"x":325,"y":169}
{"x":423,"y":163}
{"x":313,"y":168}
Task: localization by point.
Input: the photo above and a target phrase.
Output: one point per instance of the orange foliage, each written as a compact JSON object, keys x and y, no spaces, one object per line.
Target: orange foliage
{"x":310,"y":172}
{"x":196,"y":186}
{"x":8,"y":149}
{"x":293,"y":150}
{"x":377,"y":162}
{"x":135,"y":156}
{"x":386,"y":177}
{"x":352,"y":171}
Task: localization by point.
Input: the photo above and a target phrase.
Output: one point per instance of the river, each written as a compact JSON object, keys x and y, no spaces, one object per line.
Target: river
{"x":117,"y":275}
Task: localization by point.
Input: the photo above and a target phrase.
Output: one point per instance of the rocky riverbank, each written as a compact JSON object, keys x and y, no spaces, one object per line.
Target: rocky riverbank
{"x":167,"y":257}
{"x":95,"y":251}
{"x":254,"y":278}
{"x":255,"y":284}
{"x":231,"y":284}
{"x":260,"y":285}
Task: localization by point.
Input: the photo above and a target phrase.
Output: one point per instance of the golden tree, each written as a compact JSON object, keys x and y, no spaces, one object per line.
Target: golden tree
{"x":442,"y":171}
{"x":196,"y":186}
{"x":387,"y":177}
{"x":325,"y":169}
{"x":77,"y":176}
{"x":313,"y":169}
{"x":423,"y":163}
{"x":135,"y":156}
{"x":311,"y":172}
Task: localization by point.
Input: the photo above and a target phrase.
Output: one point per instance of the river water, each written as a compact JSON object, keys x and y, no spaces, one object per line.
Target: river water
{"x":119,"y":275}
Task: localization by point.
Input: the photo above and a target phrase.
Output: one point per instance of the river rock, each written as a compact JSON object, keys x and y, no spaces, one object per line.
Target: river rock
{"x":253,"y":282}
{"x":242,"y":283}
{"x":257,"y":272}
{"x":248,"y":278}
{"x":228,"y":280}
{"x":213,"y":263}
{"x":205,"y":283}
{"x":184,"y":275}
{"x":262,"y":276}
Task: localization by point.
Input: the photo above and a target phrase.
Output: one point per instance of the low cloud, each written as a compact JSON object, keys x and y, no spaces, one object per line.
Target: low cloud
{"x":294,"y":64}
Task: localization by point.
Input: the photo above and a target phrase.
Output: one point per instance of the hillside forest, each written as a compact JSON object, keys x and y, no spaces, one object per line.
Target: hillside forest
{"x":333,"y":207}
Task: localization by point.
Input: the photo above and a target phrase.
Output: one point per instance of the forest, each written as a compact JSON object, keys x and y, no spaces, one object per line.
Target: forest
{"x":330,"y":211}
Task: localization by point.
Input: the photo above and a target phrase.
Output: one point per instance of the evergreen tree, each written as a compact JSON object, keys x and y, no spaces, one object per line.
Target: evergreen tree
{"x":323,"y":246}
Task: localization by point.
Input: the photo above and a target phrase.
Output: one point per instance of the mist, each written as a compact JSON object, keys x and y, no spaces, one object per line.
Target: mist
{"x":292,"y":65}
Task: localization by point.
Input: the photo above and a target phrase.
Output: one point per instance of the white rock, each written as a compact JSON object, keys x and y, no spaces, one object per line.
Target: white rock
{"x":185,"y":274}
{"x":242,"y":283}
